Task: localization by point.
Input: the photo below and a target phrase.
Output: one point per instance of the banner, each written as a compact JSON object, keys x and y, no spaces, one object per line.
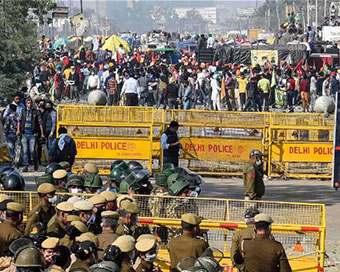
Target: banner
{"x":264,"y":56}
{"x":79,"y":24}
{"x":279,"y":97}
{"x":218,"y":149}
{"x":331,"y":33}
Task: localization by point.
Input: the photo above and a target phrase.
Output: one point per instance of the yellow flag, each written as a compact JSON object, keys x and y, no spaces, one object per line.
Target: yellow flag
{"x":223,"y":88}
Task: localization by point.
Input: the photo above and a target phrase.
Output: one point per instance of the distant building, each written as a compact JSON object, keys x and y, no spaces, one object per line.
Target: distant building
{"x":209,"y":14}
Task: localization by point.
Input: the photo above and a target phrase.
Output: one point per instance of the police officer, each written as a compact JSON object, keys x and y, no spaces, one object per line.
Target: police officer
{"x":156,"y":204}
{"x":111,"y":199}
{"x":108,"y":235}
{"x":243,"y":234}
{"x":252,"y":177}
{"x":44,"y":210}
{"x":83,"y":209}
{"x":67,"y":167}
{"x":147,"y":251}
{"x":56,"y":226}
{"x":93,"y":183}
{"x":9,"y":227}
{"x":47,"y":250}
{"x":28,"y":259}
{"x":60,"y":179}
{"x":170,"y":144}
{"x":99,"y":202}
{"x":187,"y":245}
{"x":126,"y":244}
{"x":262,"y":254}
{"x":89,"y":168}
{"x":61,"y":259}
{"x":73,"y":229}
{"x":86,"y":254}
{"x":128,"y":213}
{"x":75,"y":184}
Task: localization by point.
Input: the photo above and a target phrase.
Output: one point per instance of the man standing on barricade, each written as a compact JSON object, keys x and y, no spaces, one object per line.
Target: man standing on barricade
{"x":252,"y":177}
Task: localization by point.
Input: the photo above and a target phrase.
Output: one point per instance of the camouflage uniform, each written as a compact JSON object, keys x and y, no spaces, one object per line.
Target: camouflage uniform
{"x":178,"y":207}
{"x":157,"y":204}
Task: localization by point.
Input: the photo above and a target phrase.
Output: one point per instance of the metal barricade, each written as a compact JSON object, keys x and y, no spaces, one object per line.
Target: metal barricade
{"x":300,"y":227}
{"x":217,"y":143}
{"x":300,"y":146}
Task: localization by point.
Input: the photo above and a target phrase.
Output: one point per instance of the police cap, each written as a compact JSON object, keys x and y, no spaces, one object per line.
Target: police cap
{"x":71,"y":218}
{"x":126,"y":243}
{"x":3,"y":197}
{"x":50,"y":243}
{"x":65,"y":206}
{"x":91,"y":168}
{"x":110,"y":196}
{"x":79,"y":226}
{"x":59,"y":174}
{"x":46,"y":188}
{"x":145,"y":245}
{"x":110,"y":214}
{"x":251,"y":213}
{"x":74,"y":199}
{"x":97,"y":199}
{"x":3,"y":204}
{"x":191,"y":219}
{"x":262,"y":217}
{"x":83,"y":205}
{"x":65,"y":165}
{"x":16,"y":207}
{"x":255,"y":152}
{"x":130,"y":207}
{"x":146,"y":236}
{"x":123,"y":198}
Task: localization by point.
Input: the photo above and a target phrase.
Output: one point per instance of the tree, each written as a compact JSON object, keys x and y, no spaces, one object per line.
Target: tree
{"x":19,"y":48}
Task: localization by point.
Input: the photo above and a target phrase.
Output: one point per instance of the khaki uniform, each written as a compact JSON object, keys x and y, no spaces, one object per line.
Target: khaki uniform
{"x":105,"y":239}
{"x":262,"y":254}
{"x":238,"y":237}
{"x":252,"y":181}
{"x":79,"y":265}
{"x":123,"y":229}
{"x":157,"y":204}
{"x":126,"y":266}
{"x":56,"y":268}
{"x":185,"y":246}
{"x":66,"y":241}
{"x":8,"y":233}
{"x":55,"y":228}
{"x":145,"y":267}
{"x":40,"y":213}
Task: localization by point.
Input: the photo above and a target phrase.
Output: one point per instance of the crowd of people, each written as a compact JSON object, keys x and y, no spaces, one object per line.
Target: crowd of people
{"x":148,"y":78}
{"x":70,"y":231}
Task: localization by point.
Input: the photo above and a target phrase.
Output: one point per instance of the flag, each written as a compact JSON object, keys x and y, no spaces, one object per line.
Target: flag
{"x":307,"y":66}
{"x":234,"y":41}
{"x":238,"y":38}
{"x":243,"y":40}
{"x":138,"y":57}
{"x":117,"y":57}
{"x":223,"y":93}
{"x":299,"y":66}
{"x":273,"y":84}
{"x":153,"y":59}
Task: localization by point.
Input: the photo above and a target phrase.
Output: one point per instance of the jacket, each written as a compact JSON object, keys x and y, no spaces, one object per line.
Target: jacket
{"x":36,"y":121}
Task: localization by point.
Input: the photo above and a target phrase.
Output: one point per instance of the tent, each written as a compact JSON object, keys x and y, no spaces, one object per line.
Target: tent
{"x":113,"y":43}
{"x":60,"y":43}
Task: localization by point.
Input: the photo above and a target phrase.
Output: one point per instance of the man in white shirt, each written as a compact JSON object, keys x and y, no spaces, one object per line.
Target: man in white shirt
{"x":131,"y":90}
{"x":93,"y":82}
{"x":211,"y":42}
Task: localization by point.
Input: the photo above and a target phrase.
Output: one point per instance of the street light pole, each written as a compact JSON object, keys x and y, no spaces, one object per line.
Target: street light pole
{"x":316,"y":13}
{"x":308,"y":13}
{"x":81,"y":6}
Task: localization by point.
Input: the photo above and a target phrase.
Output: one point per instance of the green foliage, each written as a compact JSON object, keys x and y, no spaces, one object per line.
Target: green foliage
{"x":19,"y":48}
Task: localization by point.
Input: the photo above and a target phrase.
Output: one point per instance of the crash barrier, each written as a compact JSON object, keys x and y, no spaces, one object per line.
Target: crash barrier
{"x":300,"y":227}
{"x":296,"y":144}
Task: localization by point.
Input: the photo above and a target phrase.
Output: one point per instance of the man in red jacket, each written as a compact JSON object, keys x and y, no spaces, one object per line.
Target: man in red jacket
{"x":59,"y":83}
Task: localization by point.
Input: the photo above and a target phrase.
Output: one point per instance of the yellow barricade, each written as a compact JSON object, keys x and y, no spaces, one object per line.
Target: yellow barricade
{"x":296,"y":144}
{"x":300,"y":227}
